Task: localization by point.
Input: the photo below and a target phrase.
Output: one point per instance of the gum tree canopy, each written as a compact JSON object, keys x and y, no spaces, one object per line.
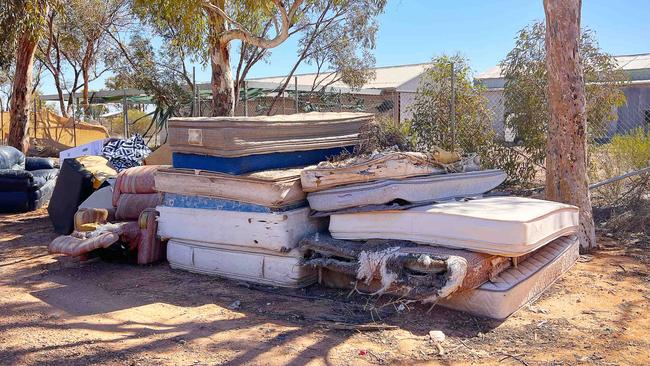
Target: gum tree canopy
{"x":219,"y":22}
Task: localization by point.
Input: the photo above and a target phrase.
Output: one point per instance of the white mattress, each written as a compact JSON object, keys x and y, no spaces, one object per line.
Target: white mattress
{"x":271,"y":231}
{"x":517,"y":286}
{"x":506,"y":226}
{"x":414,"y":190}
{"x":271,"y":188}
{"x":258,"y":266}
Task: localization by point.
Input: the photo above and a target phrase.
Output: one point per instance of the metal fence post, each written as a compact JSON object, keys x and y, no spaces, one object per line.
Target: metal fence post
{"x":125,"y":115}
{"x":452,"y":108}
{"x":295,"y":81}
{"x":194,"y":92}
{"x":245,"y":98}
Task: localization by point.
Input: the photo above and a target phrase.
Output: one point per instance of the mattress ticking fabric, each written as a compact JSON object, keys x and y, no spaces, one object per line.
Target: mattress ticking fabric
{"x":240,"y":263}
{"x":272,"y":188}
{"x":212,"y":203}
{"x":517,"y":286}
{"x":506,"y":226}
{"x":243,"y":136}
{"x":400,"y":268}
{"x":381,"y":166}
{"x":247,"y":164}
{"x":277,"y":231}
{"x":425,"y":189}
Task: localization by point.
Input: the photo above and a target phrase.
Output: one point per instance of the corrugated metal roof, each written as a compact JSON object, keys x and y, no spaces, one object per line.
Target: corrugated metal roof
{"x":625,"y":62}
{"x":385,"y":77}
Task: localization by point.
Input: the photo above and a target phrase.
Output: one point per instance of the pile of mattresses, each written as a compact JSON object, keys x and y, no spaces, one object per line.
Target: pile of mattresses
{"x":419,"y":227}
{"x":233,"y":204}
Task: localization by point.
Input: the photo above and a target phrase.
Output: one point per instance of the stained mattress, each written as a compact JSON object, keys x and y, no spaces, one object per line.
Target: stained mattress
{"x":246,"y":264}
{"x":212,"y":203}
{"x":412,"y":190}
{"x":242,"y":136}
{"x":401,"y":268}
{"x":270,"y":231}
{"x":506,"y":226}
{"x":517,"y":286}
{"x":394,"y":165}
{"x":272,"y":188}
{"x":255,"y":163}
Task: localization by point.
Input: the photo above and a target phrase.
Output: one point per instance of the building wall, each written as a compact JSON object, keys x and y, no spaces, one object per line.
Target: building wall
{"x":633,"y":114}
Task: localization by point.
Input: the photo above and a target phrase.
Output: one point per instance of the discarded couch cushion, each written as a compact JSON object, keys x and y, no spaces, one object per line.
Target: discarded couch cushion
{"x":135,"y":180}
{"x":517,"y":286}
{"x":401,"y":268}
{"x":243,"y":136}
{"x":241,"y":263}
{"x":271,"y":188}
{"x":423,"y":189}
{"x":73,"y":186}
{"x":272,"y":231}
{"x":508,"y":226}
{"x":130,"y":205}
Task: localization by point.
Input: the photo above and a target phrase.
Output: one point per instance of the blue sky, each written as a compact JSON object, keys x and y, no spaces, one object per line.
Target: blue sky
{"x":414,"y":31}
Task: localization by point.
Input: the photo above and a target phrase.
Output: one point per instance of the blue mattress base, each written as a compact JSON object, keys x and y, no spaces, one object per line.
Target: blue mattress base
{"x":254,"y":163}
{"x":212,"y":203}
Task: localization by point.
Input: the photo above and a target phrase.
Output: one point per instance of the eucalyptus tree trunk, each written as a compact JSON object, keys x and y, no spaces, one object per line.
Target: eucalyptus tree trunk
{"x":21,"y":94}
{"x":566,"y":153}
{"x":222,"y":83}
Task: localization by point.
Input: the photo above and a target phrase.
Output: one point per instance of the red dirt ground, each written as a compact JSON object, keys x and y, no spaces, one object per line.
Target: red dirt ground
{"x":56,"y":311}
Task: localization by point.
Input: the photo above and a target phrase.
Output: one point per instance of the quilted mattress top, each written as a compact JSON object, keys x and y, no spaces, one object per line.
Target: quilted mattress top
{"x":507,"y":226}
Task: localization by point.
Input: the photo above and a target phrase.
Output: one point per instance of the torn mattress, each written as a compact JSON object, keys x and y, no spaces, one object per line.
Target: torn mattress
{"x":411,"y":190}
{"x":277,"y":231}
{"x":506,"y":226}
{"x":400,"y":268}
{"x":243,"y":136}
{"x":272,"y":188}
{"x":517,"y":286}
{"x":383,"y":165}
{"x":256,"y":265}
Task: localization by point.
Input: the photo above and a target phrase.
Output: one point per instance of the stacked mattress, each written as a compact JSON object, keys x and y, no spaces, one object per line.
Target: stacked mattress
{"x":233,"y":204}
{"x":238,"y":145}
{"x":420,"y":228}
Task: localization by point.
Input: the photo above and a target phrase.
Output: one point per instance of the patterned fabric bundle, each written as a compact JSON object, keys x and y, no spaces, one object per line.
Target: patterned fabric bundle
{"x":124,"y":154}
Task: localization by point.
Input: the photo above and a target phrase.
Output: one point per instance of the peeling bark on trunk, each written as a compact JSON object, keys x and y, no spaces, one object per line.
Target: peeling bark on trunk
{"x":22,"y":90}
{"x":222,"y":84}
{"x":566,"y":154}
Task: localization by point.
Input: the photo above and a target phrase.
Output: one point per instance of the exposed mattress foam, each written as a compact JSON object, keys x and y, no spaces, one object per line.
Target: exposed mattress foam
{"x":391,"y":165}
{"x":271,"y":231}
{"x":242,"y":136}
{"x":413,"y":190}
{"x":271,"y":188}
{"x":246,"y":264}
{"x":517,"y":286}
{"x":507,"y":226}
